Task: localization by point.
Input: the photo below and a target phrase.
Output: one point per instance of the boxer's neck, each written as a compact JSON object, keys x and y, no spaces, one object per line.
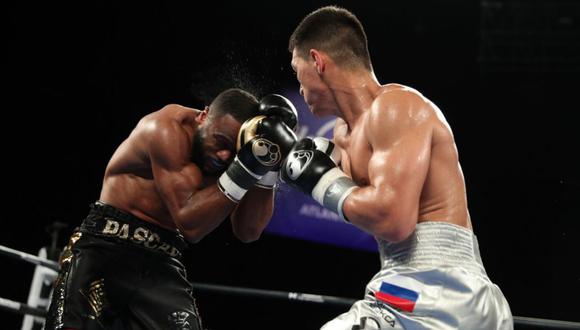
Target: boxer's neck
{"x":354,"y":92}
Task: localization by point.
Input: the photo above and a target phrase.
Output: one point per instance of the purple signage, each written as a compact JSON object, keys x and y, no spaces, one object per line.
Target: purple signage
{"x":299,"y":216}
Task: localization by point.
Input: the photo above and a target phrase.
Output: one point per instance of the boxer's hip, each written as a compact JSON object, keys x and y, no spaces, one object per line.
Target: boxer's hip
{"x":115,"y":226}
{"x":432,"y":245}
{"x":117,"y":266}
{"x":447,"y":297}
{"x":436,"y":279}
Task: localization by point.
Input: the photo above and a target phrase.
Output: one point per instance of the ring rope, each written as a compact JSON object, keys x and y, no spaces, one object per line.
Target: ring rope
{"x":261,"y":293}
{"x":21,"y":308}
{"x":29,"y":258}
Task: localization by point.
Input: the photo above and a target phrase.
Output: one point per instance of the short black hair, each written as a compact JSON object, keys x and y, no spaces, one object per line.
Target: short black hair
{"x":335,"y":31}
{"x":236,"y":102}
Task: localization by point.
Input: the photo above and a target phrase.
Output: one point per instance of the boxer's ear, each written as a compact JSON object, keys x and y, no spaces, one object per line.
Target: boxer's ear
{"x":319,"y":60}
{"x":202,"y":115}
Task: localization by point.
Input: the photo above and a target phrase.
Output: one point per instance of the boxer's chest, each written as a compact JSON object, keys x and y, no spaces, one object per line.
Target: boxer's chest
{"x":356,"y":153}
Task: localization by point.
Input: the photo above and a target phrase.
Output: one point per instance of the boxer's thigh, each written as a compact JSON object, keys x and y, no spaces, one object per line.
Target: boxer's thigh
{"x":366,"y":315}
{"x":82,"y":292}
{"x":164,"y":299}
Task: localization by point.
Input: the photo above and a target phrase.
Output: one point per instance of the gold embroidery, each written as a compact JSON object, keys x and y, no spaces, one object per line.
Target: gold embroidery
{"x":96,"y":297}
{"x":67,"y":254}
{"x":59,"y":295}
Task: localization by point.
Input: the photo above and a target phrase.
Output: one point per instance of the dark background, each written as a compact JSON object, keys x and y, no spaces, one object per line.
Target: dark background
{"x":80,"y":75}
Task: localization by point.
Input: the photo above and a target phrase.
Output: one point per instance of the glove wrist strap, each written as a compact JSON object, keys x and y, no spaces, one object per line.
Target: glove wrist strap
{"x":269,"y":180}
{"x":332,"y":189}
{"x":236,"y":180}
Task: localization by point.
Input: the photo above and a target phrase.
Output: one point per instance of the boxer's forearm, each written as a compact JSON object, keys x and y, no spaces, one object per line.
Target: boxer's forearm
{"x":202,"y":212}
{"x":253,"y":214}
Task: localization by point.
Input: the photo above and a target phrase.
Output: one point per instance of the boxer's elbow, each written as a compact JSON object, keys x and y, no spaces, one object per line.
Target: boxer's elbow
{"x":192,"y":233}
{"x":396,"y":226}
{"x":248,"y":227}
{"x":192,"y":237}
{"x":387,"y":227}
{"x":394,"y":233}
{"x":384,"y":219}
{"x":247,"y":234}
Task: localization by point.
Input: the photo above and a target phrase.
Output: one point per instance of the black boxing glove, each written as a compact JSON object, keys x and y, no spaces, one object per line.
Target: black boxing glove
{"x":279,"y":106}
{"x":328,"y":147}
{"x":275,"y":105}
{"x":262,"y":144}
{"x":315,"y":173}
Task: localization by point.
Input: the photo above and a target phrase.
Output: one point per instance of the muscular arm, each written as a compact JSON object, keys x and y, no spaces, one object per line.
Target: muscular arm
{"x":253,"y":214}
{"x":399,"y":132}
{"x":196,"y":211}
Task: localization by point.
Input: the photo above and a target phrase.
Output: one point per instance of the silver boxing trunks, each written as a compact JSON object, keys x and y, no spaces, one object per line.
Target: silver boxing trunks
{"x":434,"y":279}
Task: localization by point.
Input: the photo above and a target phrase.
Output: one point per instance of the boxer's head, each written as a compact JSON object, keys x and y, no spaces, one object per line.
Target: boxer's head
{"x":329,"y":34}
{"x":214,"y":144}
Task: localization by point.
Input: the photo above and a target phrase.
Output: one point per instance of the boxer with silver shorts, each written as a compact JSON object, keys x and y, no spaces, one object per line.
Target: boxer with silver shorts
{"x":434,"y":279}
{"x":392,"y":171}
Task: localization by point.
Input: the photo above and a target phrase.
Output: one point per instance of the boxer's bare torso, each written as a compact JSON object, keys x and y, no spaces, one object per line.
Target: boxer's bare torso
{"x":129,"y":178}
{"x":442,"y":195}
{"x":407,"y":187}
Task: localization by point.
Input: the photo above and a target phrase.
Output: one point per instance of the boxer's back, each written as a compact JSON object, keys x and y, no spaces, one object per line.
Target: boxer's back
{"x":443,"y":197}
{"x":128,"y":182}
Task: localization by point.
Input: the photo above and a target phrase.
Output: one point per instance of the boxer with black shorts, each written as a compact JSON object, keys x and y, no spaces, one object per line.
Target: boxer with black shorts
{"x":177,"y":176}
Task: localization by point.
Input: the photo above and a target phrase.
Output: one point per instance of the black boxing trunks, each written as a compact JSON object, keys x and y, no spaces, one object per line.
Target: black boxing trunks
{"x":120,"y":272}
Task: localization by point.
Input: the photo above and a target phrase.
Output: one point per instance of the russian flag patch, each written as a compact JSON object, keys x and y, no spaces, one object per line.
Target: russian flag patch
{"x":397,"y":296}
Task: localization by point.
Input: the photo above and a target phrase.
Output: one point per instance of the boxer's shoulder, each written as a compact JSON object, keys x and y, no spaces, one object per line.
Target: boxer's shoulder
{"x":393,"y":86}
{"x":175,"y":112}
{"x":392,"y":94}
{"x":172,"y":107}
{"x":172,"y":117}
{"x":397,"y":104}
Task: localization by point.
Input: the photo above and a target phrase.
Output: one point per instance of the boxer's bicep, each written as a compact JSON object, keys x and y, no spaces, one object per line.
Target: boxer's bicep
{"x":398,"y":167}
{"x":400,"y":142}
